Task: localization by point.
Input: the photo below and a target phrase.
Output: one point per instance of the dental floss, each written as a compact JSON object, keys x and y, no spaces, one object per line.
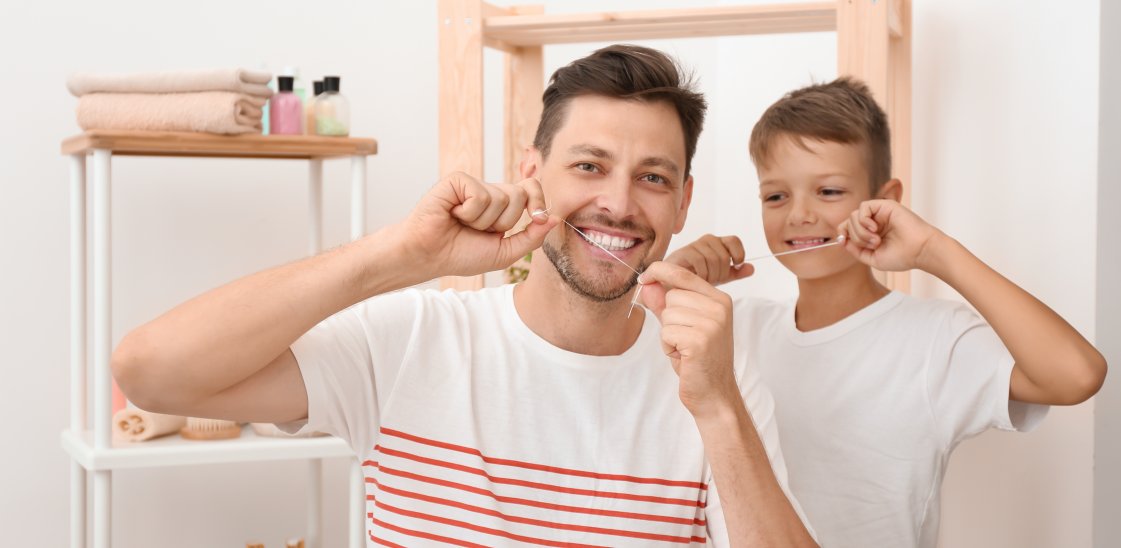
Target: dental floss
{"x":634,"y":301}
{"x":605,"y":250}
{"x":840,"y":240}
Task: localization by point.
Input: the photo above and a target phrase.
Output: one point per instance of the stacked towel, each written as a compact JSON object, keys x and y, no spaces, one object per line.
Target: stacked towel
{"x":248,"y":82}
{"x":205,"y":111}
{"x":217,"y":101}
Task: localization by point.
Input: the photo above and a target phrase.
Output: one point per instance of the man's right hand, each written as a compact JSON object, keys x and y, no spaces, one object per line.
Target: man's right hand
{"x":716,"y":259}
{"x":458,"y":227}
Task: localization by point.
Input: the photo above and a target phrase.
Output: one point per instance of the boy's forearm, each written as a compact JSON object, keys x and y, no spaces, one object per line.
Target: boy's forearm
{"x":756,"y":509}
{"x":1054,"y":363}
{"x":223,"y":336}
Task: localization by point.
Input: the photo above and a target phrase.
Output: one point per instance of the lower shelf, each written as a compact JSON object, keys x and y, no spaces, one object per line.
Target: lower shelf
{"x":176,"y":451}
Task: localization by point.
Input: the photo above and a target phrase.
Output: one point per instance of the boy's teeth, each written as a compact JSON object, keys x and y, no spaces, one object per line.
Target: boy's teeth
{"x":611,"y":243}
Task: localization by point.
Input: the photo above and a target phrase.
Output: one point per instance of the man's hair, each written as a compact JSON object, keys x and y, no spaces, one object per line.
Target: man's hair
{"x":842,"y":111}
{"x":628,"y":72}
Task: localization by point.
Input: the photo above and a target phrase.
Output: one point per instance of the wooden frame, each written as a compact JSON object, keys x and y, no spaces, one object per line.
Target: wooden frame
{"x":873,"y":44}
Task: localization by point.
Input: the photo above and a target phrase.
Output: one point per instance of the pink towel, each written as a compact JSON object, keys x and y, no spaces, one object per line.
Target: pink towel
{"x":248,"y":82}
{"x":208,"y":112}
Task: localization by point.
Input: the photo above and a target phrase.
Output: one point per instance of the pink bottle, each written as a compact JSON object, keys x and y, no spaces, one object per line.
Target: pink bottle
{"x":286,"y":110}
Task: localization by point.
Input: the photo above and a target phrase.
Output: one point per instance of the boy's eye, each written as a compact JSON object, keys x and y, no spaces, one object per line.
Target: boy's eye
{"x":832,"y":192}
{"x":772,"y":197}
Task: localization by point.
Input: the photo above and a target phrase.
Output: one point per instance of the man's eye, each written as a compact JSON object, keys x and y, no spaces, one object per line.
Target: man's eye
{"x":585,"y":166}
{"x":654,"y":178}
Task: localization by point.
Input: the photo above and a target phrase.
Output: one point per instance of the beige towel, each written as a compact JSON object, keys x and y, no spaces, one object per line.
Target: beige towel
{"x":208,"y":112}
{"x":249,"y":82}
{"x":132,"y":424}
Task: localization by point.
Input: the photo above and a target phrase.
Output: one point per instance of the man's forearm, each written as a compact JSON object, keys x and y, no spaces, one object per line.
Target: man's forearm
{"x":222,"y":337}
{"x":756,"y":509}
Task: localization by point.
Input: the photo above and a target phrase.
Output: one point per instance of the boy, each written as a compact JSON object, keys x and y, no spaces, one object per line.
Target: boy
{"x":873,"y":388}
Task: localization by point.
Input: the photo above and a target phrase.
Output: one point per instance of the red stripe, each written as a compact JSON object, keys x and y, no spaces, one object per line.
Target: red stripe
{"x":477,"y":528}
{"x":534,"y":503}
{"x":542,"y":467}
{"x":419,"y":534}
{"x":381,"y":541}
{"x":530,"y":521}
{"x":536,"y":485}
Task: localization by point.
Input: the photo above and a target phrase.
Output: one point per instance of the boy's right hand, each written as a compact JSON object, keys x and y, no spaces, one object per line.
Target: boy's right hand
{"x":458,"y":228}
{"x":885,"y":235}
{"x":713,"y":258}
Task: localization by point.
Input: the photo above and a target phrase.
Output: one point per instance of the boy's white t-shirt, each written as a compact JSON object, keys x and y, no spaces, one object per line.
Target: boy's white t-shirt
{"x":870,"y":408}
{"x":473,"y":429}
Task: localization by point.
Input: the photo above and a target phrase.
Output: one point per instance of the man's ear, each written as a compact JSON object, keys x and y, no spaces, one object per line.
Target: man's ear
{"x":686,"y":199}
{"x":892,"y":190}
{"x":531,"y":162}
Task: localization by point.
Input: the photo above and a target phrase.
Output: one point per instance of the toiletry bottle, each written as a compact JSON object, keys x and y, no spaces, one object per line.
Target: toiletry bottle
{"x":309,"y":108}
{"x":286,"y":114}
{"x":297,"y":83}
{"x":332,"y":110}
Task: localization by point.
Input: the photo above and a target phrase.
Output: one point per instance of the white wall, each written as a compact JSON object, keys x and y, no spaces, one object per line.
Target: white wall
{"x":1005,"y":140}
{"x":1107,"y":405}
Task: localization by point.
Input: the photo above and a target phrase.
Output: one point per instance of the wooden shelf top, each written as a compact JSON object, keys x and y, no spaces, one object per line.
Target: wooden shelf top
{"x":205,"y":145}
{"x":534,"y":30}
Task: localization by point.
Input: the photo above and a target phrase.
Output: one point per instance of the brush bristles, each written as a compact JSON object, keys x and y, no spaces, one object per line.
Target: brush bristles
{"x":210,"y":429}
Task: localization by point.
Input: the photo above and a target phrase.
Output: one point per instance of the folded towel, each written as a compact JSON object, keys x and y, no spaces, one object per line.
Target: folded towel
{"x":208,"y":112}
{"x":132,"y":424}
{"x":249,"y":82}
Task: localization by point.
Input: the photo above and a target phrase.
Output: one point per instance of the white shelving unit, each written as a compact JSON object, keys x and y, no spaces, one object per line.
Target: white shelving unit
{"x":90,"y":446}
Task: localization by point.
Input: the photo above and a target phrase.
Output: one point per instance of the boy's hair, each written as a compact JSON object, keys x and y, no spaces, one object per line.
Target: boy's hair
{"x":841,"y":111}
{"x":623,"y":72}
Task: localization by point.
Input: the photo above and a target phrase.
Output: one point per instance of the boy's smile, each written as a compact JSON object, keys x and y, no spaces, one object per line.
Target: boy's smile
{"x":808,"y":189}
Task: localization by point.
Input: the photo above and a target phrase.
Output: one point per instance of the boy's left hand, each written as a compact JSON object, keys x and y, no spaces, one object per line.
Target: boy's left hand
{"x":696,"y":323}
{"x":887,"y":236}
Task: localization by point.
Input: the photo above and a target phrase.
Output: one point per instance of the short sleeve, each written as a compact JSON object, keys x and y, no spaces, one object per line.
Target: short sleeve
{"x":761,"y":405}
{"x":968,"y":377}
{"x":349,"y":363}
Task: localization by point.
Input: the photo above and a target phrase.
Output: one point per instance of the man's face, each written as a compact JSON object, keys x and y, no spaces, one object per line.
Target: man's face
{"x":807,"y":192}
{"x":615,"y":171}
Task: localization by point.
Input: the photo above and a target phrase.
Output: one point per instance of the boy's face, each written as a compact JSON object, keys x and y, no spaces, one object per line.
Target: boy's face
{"x":807,"y":192}
{"x":616,"y":171}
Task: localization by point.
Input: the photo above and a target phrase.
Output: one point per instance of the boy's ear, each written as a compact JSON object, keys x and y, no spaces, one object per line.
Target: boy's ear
{"x":531,"y":161}
{"x":892,"y":190}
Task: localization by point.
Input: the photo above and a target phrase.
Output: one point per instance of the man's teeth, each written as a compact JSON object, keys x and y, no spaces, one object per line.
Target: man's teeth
{"x":608,"y":242}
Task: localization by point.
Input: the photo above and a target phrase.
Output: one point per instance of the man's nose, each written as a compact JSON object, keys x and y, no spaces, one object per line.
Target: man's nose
{"x":615,"y":196}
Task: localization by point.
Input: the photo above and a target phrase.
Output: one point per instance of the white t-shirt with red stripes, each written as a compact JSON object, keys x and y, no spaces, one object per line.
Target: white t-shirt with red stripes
{"x":475,"y":431}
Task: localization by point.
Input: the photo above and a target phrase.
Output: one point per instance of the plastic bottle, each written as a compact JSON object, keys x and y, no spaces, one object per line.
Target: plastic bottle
{"x":286,"y":110}
{"x":332,"y":110}
{"x":309,"y":108}
{"x":297,"y":83}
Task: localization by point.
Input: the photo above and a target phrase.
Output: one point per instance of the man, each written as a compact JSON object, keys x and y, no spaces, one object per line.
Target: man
{"x":537,"y":414}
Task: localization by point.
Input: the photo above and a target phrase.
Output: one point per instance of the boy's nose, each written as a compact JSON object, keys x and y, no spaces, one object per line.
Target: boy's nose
{"x":801,"y":213}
